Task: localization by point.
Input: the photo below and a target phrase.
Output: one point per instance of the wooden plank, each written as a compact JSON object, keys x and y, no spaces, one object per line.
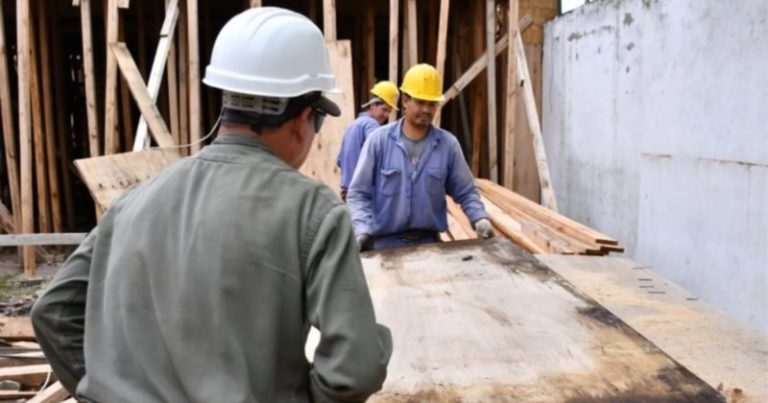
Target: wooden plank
{"x":139,"y":91}
{"x":456,"y":229}
{"x":124,"y":3}
{"x":7,"y":223}
{"x":52,"y":394}
{"x":329,"y":20}
{"x":90,"y":80}
{"x":16,"y":394}
{"x":458,"y":214}
{"x":28,"y":375}
{"x":510,"y":120}
{"x":490,"y":55}
{"x":110,"y":92}
{"x":50,"y":133}
{"x":158,"y":66}
{"x":125,"y":122}
{"x":255,"y":3}
{"x":510,"y":228}
{"x":481,"y":63}
{"x":501,"y":326}
{"x":193,"y":84}
{"x":394,"y":27}
{"x":442,"y":44}
{"x":25,"y":135}
{"x":321,"y":162}
{"x":107,"y":177}
{"x":413,"y":33}
{"x":478,"y":99}
{"x":16,"y":328}
{"x":63,"y":238}
{"x":173,"y":89}
{"x":38,"y":134}
{"x":9,"y":136}
{"x":183,"y":79}
{"x":547,"y":191}
{"x":717,"y":348}
{"x":370,"y":49}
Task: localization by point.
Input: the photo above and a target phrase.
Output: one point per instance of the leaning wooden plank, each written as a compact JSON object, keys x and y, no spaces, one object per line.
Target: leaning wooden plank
{"x":557,"y":221}
{"x":482,"y":62}
{"x":9,"y":137}
{"x":50,"y":127}
{"x":442,"y":44}
{"x":183,"y":79}
{"x":510,"y":228}
{"x":16,"y":328}
{"x":147,"y":106}
{"x":193,"y":50}
{"x":90,"y":80}
{"x":110,"y":92}
{"x":107,"y":177}
{"x":490,"y":61}
{"x":25,"y":134}
{"x":62,"y":238}
{"x":52,"y":394}
{"x":38,"y":132}
{"x":394,"y":29}
{"x":158,"y":66}
{"x":510,"y":117}
{"x":329,"y":20}
{"x":173,"y":88}
{"x":28,"y":375}
{"x":413,"y":32}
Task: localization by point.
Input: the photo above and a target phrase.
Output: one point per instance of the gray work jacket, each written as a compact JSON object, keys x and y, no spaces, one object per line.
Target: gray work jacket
{"x":200,"y":284}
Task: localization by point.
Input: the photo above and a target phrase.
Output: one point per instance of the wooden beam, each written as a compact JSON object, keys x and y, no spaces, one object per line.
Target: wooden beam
{"x":50,"y":133}
{"x":9,"y":136}
{"x":158,"y":66}
{"x":140,"y":94}
{"x":490,"y":39}
{"x":370,"y":48}
{"x":52,"y":394}
{"x":394,"y":19}
{"x":64,"y":238}
{"x":413,"y":34}
{"x":16,"y":328}
{"x":110,"y":92}
{"x":38,"y":133}
{"x":547,"y":191}
{"x":442,"y":43}
{"x":194,"y":76}
{"x":482,"y":62}
{"x":329,"y":20}
{"x":510,"y":120}
{"x":124,"y":4}
{"x":183,"y":79}
{"x":255,"y":3}
{"x":90,"y":81}
{"x":173,"y":88}
{"x":28,"y":375}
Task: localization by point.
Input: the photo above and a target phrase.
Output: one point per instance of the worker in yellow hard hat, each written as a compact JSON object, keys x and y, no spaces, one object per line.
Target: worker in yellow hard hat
{"x":406,"y":168}
{"x":376,"y":111}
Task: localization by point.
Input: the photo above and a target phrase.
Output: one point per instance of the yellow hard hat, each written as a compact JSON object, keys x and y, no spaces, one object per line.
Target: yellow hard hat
{"x":387,"y":92}
{"x":423,"y":82}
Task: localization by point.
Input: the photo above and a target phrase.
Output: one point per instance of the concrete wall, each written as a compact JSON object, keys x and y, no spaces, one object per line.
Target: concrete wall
{"x":655,"y":119}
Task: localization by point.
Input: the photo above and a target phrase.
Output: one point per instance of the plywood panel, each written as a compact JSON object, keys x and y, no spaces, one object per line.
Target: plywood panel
{"x":321,"y":162}
{"x":481,"y":321}
{"x":715,"y":347}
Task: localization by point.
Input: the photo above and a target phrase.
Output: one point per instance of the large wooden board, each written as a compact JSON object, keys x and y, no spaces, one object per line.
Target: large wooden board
{"x":108,"y":176}
{"x":715,"y":347}
{"x":482,"y":321}
{"x":321,"y":162}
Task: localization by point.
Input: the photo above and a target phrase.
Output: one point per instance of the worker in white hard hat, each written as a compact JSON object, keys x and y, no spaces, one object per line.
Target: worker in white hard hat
{"x":405,"y":171}
{"x":201,"y":283}
{"x":376,"y":111}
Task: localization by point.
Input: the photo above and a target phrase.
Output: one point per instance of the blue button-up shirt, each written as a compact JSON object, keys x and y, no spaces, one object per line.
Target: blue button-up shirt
{"x":389,"y":195}
{"x":351,"y":145}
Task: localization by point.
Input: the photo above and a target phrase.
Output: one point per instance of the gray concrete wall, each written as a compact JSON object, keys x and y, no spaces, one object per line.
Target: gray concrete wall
{"x":655,"y":119}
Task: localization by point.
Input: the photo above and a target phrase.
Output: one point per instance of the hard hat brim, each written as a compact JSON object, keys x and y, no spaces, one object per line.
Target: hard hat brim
{"x":328,"y":106}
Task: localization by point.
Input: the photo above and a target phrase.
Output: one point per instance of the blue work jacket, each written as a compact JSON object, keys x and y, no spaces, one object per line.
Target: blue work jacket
{"x":388,"y":195}
{"x":351,"y":145}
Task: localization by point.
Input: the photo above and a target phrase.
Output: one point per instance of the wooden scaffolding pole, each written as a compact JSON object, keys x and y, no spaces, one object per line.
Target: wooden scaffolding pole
{"x":442,"y":43}
{"x":510,"y":120}
{"x":110,"y":92}
{"x":38,"y":132}
{"x":413,"y":34}
{"x":394,"y":18}
{"x":490,"y":40}
{"x":90,"y":80}
{"x":9,"y":135}
{"x":25,"y":135}
{"x":183,"y":78}
{"x":194,"y":76}
{"x":370,"y":49}
{"x":255,"y":3}
{"x":173,"y":88}
{"x":329,"y":20}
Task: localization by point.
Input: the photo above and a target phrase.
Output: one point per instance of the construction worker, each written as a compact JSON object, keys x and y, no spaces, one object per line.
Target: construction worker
{"x":200,"y":284}
{"x":376,"y":111}
{"x":406,"y":168}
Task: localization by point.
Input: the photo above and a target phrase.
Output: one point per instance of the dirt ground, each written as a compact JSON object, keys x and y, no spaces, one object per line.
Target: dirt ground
{"x":17,"y":291}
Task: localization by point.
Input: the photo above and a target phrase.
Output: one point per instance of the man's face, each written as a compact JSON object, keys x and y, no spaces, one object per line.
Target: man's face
{"x":380,"y":111}
{"x":419,"y":112}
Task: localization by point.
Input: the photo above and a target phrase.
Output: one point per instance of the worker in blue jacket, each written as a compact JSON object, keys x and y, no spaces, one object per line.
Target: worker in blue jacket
{"x":376,"y":111}
{"x":406,"y":168}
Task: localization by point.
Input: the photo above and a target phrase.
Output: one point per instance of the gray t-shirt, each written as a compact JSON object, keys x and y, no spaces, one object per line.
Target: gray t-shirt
{"x":414,"y":148}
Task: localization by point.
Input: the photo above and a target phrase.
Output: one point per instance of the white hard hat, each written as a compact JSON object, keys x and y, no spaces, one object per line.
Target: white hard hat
{"x":271,"y":52}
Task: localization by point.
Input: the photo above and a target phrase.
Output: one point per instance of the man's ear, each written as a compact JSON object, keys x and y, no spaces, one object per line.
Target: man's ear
{"x":298,"y":125}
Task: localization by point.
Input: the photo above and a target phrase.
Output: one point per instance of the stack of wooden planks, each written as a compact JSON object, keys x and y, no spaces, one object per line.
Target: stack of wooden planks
{"x":24,"y":369}
{"x":530,"y":225}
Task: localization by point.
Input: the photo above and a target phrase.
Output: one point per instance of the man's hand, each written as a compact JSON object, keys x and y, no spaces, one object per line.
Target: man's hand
{"x":484,"y":229}
{"x":365,"y":242}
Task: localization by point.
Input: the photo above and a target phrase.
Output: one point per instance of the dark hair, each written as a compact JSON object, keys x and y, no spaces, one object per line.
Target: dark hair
{"x":258,"y":122}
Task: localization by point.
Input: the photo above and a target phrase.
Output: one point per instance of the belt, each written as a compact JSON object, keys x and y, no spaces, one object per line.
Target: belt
{"x":414,"y":235}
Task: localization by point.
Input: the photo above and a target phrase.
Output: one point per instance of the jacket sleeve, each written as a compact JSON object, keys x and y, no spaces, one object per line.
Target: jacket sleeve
{"x":351,"y":358}
{"x":360,"y":195}
{"x":58,"y":316}
{"x":461,"y":185}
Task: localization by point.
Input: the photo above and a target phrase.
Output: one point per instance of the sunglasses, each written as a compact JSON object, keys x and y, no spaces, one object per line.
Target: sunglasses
{"x":318,"y":118}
